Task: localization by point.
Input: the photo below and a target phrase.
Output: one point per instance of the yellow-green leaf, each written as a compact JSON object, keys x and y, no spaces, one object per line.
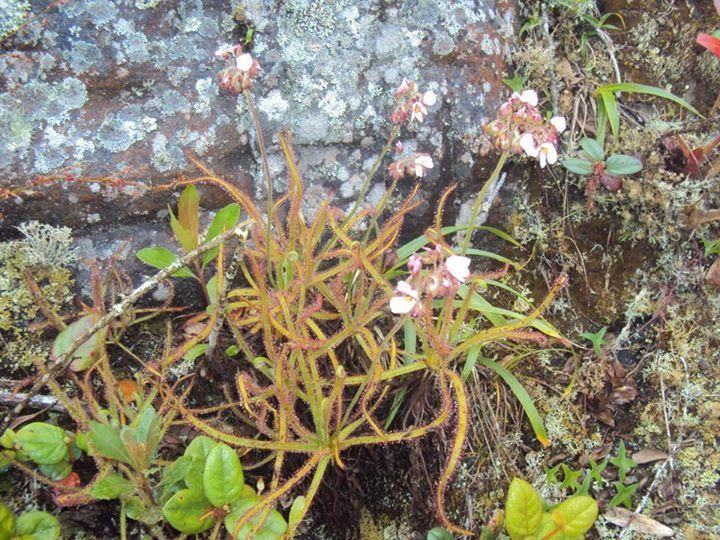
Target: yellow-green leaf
{"x":576,"y":515}
{"x":523,"y":509}
{"x":188,"y":213}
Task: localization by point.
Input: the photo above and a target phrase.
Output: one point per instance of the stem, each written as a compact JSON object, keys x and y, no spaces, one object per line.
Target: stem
{"x":123,"y":521}
{"x":480,"y":200}
{"x":266,"y":172}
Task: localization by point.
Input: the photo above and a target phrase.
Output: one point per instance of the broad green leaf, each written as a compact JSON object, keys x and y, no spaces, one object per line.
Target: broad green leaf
{"x":523,"y":509}
{"x":175,"y":471}
{"x":89,"y":352}
{"x":160,"y":258}
{"x":106,"y":441}
{"x":182,"y":235}
{"x":273,"y":528}
{"x":198,"y":451}
{"x":56,"y":471}
{"x":593,"y":149}
{"x":223,"y":476}
{"x":297,"y":510}
{"x":44,"y":443}
{"x":8,"y":438}
{"x":575,"y":515}
{"x":621,"y":165}
{"x":523,"y":397}
{"x":189,"y":512}
{"x":112,"y":486}
{"x":439,"y":534}
{"x":188,"y":213}
{"x":7,"y":522}
{"x":81,"y":442}
{"x":37,"y":525}
{"x":135,"y":509}
{"x":225,"y":219}
{"x":578,"y":166}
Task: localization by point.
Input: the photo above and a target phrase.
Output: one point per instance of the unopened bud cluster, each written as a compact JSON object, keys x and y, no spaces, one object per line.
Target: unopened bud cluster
{"x":241,"y":70}
{"x":410,"y":103}
{"x":520,"y":128}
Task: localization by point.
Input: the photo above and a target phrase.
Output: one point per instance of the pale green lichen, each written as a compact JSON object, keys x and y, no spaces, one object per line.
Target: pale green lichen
{"x":12,"y":16}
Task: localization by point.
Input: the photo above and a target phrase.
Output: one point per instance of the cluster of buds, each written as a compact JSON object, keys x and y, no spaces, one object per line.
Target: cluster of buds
{"x":520,"y":128}
{"x":415,"y":164}
{"x":442,"y":277}
{"x":411,"y":103}
{"x":242,"y":69}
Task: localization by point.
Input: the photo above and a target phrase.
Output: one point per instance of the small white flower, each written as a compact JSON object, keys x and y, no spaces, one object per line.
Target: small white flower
{"x":527,"y":143}
{"x":458,"y":267}
{"x":422,"y":163}
{"x":244,"y":62}
{"x":559,"y":123}
{"x":407,"y":301}
{"x":429,"y":98}
{"x":547,"y":154}
{"x":418,"y":111}
{"x":529,"y":97}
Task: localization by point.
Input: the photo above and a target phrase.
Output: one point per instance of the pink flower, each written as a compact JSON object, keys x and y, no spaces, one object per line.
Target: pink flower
{"x":404,"y":88}
{"x":458,"y":267}
{"x":558,"y":122}
{"x":547,"y":154}
{"x":415,"y":264}
{"x":406,"y":301}
{"x":418,"y":111}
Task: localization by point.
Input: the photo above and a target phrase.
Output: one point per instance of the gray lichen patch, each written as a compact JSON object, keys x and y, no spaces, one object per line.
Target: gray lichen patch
{"x":12,"y":16}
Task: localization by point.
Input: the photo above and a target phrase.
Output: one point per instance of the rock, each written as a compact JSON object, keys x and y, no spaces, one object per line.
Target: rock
{"x":104,"y":99}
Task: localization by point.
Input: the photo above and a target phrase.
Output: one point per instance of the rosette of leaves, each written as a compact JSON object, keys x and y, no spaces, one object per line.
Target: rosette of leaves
{"x":608,"y":171}
{"x":528,"y":516}
{"x":205,"y":487}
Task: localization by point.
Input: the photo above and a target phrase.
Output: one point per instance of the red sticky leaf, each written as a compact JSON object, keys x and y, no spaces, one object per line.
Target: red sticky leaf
{"x":711,"y":43}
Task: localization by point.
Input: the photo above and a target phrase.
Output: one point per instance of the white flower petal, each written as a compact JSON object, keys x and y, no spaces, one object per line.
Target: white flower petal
{"x":400,"y":305}
{"x":458,"y":266}
{"x":244,"y":62}
{"x":429,"y":98}
{"x":424,"y":161}
{"x":530,"y":97}
{"x":527,"y":143}
{"x":559,"y":123}
{"x":405,"y":288}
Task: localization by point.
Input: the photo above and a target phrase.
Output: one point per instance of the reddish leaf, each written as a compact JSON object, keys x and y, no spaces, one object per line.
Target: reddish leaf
{"x":711,"y":43}
{"x":612,"y":183}
{"x":127,"y":388}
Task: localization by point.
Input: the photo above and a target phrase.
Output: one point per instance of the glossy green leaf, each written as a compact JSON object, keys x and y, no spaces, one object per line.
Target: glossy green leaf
{"x":223,"y":476}
{"x":593,"y":149}
{"x":37,"y":525}
{"x":575,"y":515}
{"x":188,"y":511}
{"x":7,"y":439}
{"x":56,"y":471}
{"x":439,"y":534}
{"x":189,"y":214}
{"x":89,"y":352}
{"x":523,"y":509}
{"x":7,"y":522}
{"x":112,"y":486}
{"x":523,"y":397}
{"x":198,"y":451}
{"x":225,"y":219}
{"x":273,"y":528}
{"x":160,"y":258}
{"x":621,"y":165}
{"x":578,"y":166}
{"x":44,"y":443}
{"x":105,"y":440}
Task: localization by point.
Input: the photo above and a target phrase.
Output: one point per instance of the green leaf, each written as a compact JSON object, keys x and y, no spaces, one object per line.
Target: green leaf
{"x":223,"y":476}
{"x":188,"y":213}
{"x":712,"y":247}
{"x":523,"y":509}
{"x":623,"y":463}
{"x":570,"y":478}
{"x":622,"y":165}
{"x":612,"y":112}
{"x":650,"y":90}
{"x":523,"y":397}
{"x":37,"y":525}
{"x":597,"y":339}
{"x":8,"y":438}
{"x":273,"y":528}
{"x":593,"y":149}
{"x":198,"y":451}
{"x":44,"y":443}
{"x":578,"y":166}
{"x":106,"y":441}
{"x":188,"y":511}
{"x":135,"y":509}
{"x":195,"y":351}
{"x":182,"y":235}
{"x":575,"y":515}
{"x":56,"y":471}
{"x":439,"y":534}
{"x":89,"y":352}
{"x":225,"y":219}
{"x":175,"y":472}
{"x":160,"y":258}
{"x":232,"y":350}
{"x":7,"y":523}
{"x":112,"y":486}
{"x":297,"y":510}
{"x":624,"y":495}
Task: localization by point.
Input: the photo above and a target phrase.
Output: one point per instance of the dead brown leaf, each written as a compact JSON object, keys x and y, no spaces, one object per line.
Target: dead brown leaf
{"x":648,"y":455}
{"x":637,"y":522}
